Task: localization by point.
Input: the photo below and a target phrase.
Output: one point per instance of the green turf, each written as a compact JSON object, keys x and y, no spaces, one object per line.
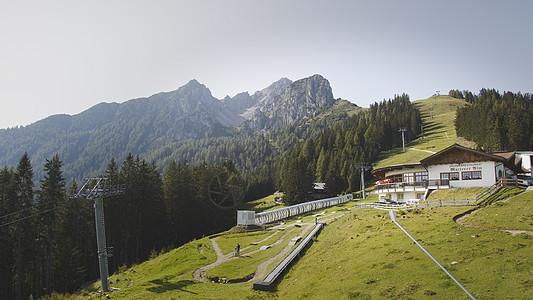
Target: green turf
{"x":227,"y":242}
{"x":515,"y":214}
{"x":364,"y":256}
{"x":246,"y":265}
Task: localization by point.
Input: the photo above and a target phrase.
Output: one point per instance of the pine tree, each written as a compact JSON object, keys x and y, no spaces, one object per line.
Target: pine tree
{"x":26,"y":247}
{"x":51,"y":196}
{"x":8,"y":238}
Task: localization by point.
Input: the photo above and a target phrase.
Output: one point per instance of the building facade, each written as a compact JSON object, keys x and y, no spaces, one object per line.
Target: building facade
{"x":453,"y":167}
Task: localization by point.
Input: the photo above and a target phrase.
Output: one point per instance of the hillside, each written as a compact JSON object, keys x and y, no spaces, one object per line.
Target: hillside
{"x":439,"y":132}
{"x":361,"y":253}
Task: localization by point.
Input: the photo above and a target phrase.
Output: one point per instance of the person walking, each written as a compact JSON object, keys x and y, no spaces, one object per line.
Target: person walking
{"x":237,"y":249}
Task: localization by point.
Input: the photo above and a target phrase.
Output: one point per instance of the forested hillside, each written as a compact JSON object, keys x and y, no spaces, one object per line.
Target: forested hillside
{"x":49,"y":244}
{"x":496,"y":121}
{"x":332,"y":157}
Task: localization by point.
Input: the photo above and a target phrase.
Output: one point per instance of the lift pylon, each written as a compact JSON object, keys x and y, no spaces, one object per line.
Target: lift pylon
{"x":96,"y":189}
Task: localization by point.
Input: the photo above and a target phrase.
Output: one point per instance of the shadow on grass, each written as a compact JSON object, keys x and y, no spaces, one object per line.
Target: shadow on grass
{"x":165,"y":286}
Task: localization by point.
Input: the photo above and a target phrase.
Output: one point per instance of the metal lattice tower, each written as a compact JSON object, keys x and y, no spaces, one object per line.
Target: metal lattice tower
{"x":96,"y":189}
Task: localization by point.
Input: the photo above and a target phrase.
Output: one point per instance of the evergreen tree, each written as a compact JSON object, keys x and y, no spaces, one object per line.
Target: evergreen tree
{"x":51,"y":196}
{"x":8,"y":237}
{"x":26,"y":248}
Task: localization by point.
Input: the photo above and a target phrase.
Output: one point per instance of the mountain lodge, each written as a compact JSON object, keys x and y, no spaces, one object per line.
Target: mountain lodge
{"x":453,"y":167}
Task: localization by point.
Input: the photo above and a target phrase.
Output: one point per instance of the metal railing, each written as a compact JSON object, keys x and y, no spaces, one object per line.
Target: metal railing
{"x":411,"y":186}
{"x":294,"y":210}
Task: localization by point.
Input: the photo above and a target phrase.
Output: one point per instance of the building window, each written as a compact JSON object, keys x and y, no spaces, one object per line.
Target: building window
{"x":419,"y":196}
{"x":400,"y":196}
{"x":409,"y":177}
{"x":471,"y":175}
{"x":421,"y":176}
{"x":396,"y":178}
{"x":449,"y":176}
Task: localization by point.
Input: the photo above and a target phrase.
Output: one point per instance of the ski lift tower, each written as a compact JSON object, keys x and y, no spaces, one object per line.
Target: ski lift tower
{"x":364,"y":167}
{"x":96,"y":189}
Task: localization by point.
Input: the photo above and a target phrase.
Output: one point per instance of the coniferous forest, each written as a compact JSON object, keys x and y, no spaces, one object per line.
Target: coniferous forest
{"x":496,"y":121}
{"x":47,"y":238}
{"x":332,"y":157}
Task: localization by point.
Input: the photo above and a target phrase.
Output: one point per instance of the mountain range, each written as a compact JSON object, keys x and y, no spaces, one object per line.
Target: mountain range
{"x":88,"y":140}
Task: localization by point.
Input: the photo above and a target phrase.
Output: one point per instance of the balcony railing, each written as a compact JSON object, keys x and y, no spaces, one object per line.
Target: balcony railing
{"x":413,"y":186}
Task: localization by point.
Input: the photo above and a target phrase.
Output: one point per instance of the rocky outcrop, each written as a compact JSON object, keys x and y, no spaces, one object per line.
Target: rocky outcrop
{"x":301,"y":99}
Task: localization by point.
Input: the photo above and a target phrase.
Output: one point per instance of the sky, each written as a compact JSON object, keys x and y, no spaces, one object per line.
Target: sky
{"x":63,"y":57}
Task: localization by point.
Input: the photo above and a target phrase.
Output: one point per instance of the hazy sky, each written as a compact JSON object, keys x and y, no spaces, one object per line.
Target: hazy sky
{"x":66,"y":56}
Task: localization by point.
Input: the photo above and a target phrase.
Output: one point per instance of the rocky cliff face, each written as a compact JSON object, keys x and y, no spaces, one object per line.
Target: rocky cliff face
{"x":245,"y":104}
{"x":300,"y":99}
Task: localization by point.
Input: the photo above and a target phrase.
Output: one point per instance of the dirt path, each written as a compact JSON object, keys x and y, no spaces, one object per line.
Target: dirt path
{"x":199,"y":274}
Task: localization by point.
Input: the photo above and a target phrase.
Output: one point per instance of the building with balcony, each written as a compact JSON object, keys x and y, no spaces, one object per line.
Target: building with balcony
{"x":455,"y":166}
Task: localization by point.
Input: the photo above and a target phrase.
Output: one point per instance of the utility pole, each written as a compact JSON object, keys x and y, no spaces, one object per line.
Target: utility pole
{"x":96,"y":189}
{"x":364,"y":167}
{"x":402,"y":130}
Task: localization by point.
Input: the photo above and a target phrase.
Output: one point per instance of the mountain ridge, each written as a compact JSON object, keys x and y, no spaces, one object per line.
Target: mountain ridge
{"x":142,"y":125}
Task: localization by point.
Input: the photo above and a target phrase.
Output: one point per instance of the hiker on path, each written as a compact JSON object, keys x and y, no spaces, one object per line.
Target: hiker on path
{"x":237,"y":249}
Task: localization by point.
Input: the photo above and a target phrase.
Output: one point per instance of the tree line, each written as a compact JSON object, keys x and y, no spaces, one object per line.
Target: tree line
{"x":47,"y":238}
{"x":498,"y":121}
{"x":332,"y":157}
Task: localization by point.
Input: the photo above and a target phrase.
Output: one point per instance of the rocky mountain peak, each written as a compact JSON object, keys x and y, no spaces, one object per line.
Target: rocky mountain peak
{"x":298,"y":100}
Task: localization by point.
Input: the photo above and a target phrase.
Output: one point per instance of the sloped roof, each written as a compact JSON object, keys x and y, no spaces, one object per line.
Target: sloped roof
{"x":460,"y":154}
{"x":505,"y":155}
{"x":456,"y":154}
{"x":380,"y":172}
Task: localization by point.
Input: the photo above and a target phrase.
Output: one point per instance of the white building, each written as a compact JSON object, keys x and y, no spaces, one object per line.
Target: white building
{"x":455,"y":166}
{"x":527,"y":160}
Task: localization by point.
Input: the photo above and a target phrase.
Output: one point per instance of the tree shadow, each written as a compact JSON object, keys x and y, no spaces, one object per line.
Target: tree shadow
{"x":164,"y":286}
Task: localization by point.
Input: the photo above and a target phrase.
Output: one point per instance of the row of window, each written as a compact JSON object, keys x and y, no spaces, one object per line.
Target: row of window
{"x":467,"y":175}
{"x":423,"y":176}
{"x":409,"y":177}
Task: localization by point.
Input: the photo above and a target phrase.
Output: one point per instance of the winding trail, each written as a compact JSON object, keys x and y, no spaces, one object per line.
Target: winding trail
{"x":200,"y":273}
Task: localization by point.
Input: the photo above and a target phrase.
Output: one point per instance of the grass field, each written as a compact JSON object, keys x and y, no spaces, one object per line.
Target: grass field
{"x":362,"y":255}
{"x":516,"y":214}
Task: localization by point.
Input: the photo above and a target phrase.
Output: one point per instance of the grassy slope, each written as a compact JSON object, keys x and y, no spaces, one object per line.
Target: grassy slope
{"x":506,"y":214}
{"x":364,"y":255}
{"x":439,"y":132}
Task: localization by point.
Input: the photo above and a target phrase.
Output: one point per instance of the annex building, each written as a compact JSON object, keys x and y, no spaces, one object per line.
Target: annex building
{"x":453,"y":167}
